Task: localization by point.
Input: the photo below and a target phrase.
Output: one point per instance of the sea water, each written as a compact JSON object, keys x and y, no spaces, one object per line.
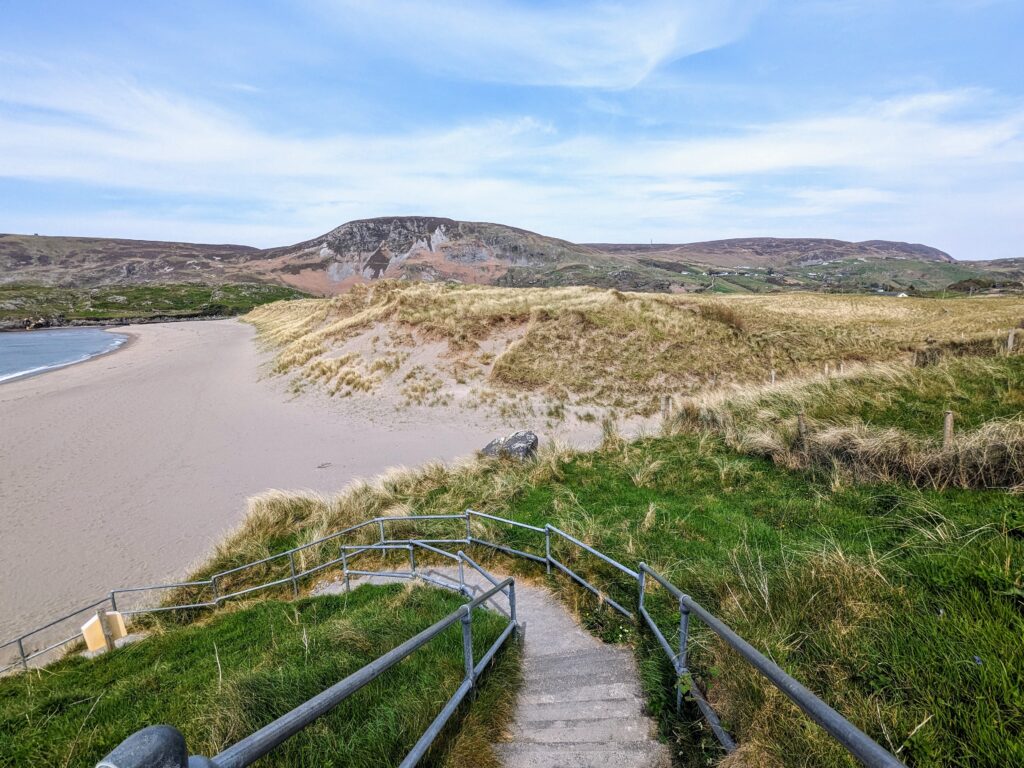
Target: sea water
{"x":24,"y":353}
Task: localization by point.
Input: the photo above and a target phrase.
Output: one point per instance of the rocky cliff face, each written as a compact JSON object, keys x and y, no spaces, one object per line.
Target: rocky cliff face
{"x":417,"y":248}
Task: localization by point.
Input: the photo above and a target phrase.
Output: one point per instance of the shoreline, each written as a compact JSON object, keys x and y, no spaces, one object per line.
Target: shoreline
{"x":129,"y":471}
{"x":127,"y":336}
{"x":113,"y":322}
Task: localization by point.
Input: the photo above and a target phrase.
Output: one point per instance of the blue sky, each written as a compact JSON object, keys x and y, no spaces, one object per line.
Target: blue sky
{"x":268,"y":123}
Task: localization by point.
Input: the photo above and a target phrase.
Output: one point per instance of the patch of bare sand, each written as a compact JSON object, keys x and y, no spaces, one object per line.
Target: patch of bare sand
{"x":124,"y":470}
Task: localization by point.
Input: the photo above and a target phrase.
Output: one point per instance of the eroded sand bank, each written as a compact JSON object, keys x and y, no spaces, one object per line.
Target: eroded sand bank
{"x":124,"y":470}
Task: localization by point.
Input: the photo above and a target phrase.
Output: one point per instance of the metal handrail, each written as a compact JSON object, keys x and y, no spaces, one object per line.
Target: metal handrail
{"x":140,"y":749}
{"x":842,"y":730}
{"x":855,"y":741}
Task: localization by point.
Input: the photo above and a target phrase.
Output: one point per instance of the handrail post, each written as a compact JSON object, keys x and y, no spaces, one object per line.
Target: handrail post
{"x":344,"y":568}
{"x":213,"y":588}
{"x":113,"y":600}
{"x":21,"y":652}
{"x":512,"y":602}
{"x":467,"y":642}
{"x":642,"y":578}
{"x":684,"y":636}
{"x":469,"y":530}
{"x":380,"y":524}
{"x":412,"y":560}
{"x":295,"y":583}
{"x":462,"y":574}
{"x":547,"y":546}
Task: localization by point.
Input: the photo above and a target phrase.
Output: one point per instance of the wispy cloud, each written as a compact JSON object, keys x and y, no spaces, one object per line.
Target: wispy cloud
{"x":590,"y":44}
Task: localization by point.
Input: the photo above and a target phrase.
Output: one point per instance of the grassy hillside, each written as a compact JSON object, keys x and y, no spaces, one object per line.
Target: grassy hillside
{"x":225,"y":677}
{"x":22,"y":305}
{"x":900,"y":607}
{"x":589,"y":346}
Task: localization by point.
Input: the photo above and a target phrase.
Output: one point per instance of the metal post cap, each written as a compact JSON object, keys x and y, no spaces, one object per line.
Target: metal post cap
{"x":158,"y":746}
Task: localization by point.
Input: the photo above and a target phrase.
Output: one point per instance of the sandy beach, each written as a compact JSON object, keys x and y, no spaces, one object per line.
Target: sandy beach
{"x":123,"y":470}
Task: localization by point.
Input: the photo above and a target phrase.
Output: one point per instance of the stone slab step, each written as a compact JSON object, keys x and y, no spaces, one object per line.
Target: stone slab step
{"x":578,"y":731}
{"x":649,"y":755}
{"x":540,"y":712}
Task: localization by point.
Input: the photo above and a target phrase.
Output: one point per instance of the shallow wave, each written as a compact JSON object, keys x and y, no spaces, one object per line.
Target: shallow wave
{"x":118,"y":340}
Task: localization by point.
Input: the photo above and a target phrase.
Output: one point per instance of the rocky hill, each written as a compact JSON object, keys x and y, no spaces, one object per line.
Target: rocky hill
{"x":435,"y":249}
{"x":420,"y":248}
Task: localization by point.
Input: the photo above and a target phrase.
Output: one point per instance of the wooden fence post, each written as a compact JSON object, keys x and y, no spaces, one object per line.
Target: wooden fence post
{"x":773,"y":376}
{"x":1011,"y":341}
{"x":801,"y":428}
{"x":947,"y":430}
{"x":666,"y":408}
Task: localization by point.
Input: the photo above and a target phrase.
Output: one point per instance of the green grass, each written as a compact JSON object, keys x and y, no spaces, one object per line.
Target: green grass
{"x":903,"y":608}
{"x":31,"y":302}
{"x":977,"y":390}
{"x":219,"y":680}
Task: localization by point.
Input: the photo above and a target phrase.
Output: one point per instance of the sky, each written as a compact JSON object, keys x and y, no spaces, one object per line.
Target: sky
{"x":268,"y":123}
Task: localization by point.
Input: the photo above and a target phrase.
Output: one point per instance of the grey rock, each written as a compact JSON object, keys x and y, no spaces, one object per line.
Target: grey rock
{"x":519,"y":445}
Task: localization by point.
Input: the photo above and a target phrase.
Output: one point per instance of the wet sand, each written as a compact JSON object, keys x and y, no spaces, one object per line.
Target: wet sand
{"x":123,"y":470}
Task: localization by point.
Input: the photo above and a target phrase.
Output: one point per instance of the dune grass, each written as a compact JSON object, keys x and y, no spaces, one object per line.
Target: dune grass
{"x":222,"y":678}
{"x":883,"y":422}
{"x":618,"y":349}
{"x":903,"y":608}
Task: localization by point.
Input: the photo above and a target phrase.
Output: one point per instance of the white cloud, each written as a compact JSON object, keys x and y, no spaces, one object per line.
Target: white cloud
{"x":919,"y":168}
{"x":593,"y":44}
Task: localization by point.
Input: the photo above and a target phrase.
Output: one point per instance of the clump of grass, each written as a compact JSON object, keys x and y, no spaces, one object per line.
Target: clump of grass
{"x":224,"y":678}
{"x":883,"y":423}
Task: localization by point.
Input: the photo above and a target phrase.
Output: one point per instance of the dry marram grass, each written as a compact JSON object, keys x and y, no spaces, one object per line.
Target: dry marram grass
{"x":606,"y":347}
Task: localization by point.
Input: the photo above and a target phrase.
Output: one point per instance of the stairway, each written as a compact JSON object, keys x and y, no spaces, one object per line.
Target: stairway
{"x":580,"y":705}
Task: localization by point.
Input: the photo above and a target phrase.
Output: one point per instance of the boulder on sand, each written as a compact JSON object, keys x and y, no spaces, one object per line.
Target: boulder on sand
{"x":519,"y":445}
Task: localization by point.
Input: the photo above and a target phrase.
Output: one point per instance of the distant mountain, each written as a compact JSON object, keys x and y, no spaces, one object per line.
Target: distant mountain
{"x":777,"y":251}
{"x":440,"y":249}
{"x":77,"y":262}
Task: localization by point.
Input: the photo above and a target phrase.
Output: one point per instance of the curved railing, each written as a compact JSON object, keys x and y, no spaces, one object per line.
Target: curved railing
{"x":856,"y":742}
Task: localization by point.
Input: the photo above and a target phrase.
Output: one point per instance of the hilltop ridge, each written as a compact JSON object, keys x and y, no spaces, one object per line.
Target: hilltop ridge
{"x":437,"y":249}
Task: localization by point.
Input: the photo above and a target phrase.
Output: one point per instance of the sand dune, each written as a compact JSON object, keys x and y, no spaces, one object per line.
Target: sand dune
{"x":124,"y":470}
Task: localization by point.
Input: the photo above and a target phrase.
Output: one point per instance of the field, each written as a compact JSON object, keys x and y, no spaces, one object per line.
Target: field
{"x":25,"y":305}
{"x":224,"y":677}
{"x":584,"y":346}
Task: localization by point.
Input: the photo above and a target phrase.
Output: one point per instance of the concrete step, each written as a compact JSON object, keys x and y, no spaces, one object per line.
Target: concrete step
{"x":585,"y":659}
{"x":540,"y":712}
{"x":580,"y":694}
{"x":634,"y":728}
{"x":555,"y":679}
{"x":646,"y":755}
